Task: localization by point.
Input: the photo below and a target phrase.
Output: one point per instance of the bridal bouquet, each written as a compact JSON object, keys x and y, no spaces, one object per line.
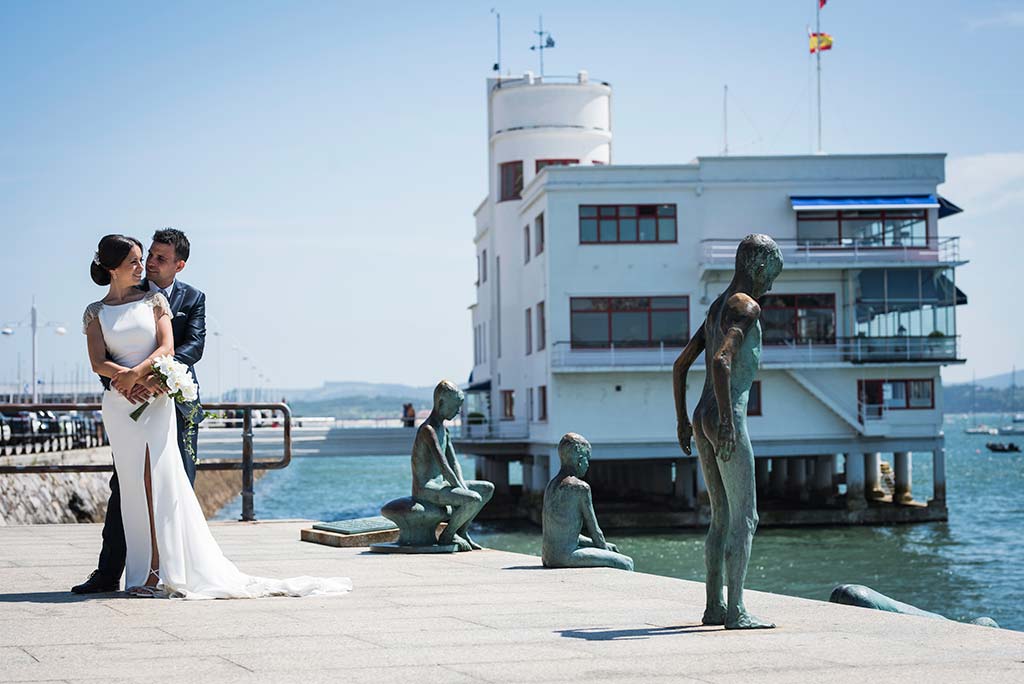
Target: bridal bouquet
{"x":182,"y":388}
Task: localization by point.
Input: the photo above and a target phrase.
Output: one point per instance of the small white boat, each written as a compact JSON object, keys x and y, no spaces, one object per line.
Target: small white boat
{"x":1012,"y":430}
{"x":981,"y":430}
{"x":1018,"y":418}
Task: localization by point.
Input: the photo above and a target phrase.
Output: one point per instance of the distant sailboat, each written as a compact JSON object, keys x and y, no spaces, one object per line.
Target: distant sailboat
{"x":977,"y":429}
{"x":1017,"y":429}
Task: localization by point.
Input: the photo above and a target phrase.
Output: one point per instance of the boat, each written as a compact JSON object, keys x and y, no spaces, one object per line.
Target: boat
{"x":981,"y":430}
{"x":1018,"y":418}
{"x":1002,"y":447}
{"x":1012,"y":429}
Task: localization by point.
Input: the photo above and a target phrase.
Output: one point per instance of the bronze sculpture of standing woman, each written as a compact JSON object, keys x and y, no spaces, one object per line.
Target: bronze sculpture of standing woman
{"x":731,"y":334}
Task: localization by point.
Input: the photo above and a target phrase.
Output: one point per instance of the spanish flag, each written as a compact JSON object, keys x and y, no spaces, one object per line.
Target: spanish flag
{"x":820,"y":42}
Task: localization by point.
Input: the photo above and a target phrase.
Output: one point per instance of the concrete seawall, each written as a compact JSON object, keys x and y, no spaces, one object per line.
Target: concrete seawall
{"x":27,"y":499}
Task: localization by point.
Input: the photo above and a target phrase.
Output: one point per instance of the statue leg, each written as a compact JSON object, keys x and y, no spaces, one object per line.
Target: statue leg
{"x":465,"y":505}
{"x":597,"y":558}
{"x":738,"y":477}
{"x":486,"y":491}
{"x":714,"y":544}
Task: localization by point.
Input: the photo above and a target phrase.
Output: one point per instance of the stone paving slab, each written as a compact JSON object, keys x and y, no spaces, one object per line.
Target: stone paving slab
{"x":485,"y":616}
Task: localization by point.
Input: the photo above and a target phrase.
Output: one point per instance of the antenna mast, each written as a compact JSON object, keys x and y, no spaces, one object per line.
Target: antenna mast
{"x":544,"y":42}
{"x":497,"y":64}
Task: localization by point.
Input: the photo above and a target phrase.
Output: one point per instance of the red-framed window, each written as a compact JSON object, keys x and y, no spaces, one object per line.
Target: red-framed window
{"x":526,"y":244}
{"x":895,"y":395}
{"x":541,"y":163}
{"x":529,"y":403}
{"x":542,"y":333}
{"x":754,"y":399}
{"x":798,"y":318}
{"x":511,"y":180}
{"x":529,"y":331}
{"x":603,"y":224}
{"x":508,"y":404}
{"x":864,"y":228}
{"x":542,"y":402}
{"x":538,"y":233}
{"x":599,"y":322}
{"x":483,"y":266}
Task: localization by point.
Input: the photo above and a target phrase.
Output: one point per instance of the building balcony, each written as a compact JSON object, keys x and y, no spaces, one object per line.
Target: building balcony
{"x":845,"y":350}
{"x":720,"y":255}
{"x":491,"y":431}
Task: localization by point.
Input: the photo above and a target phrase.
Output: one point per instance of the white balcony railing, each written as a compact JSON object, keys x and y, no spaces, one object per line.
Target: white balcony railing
{"x":501,"y":429}
{"x":843,"y":350}
{"x":722,"y":253}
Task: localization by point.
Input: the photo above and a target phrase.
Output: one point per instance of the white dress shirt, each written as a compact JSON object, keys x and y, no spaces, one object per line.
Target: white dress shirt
{"x":153,"y":287}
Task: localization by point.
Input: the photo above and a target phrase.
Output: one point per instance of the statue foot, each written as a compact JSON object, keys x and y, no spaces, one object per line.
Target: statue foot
{"x":744,"y":620}
{"x":461,"y":543}
{"x":469,"y":540}
{"x":714,"y":615}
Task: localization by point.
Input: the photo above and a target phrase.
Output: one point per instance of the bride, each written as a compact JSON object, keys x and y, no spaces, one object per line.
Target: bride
{"x":171,"y":552}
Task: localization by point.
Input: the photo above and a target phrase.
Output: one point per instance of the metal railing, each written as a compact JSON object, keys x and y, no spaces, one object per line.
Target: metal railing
{"x":722,"y":253}
{"x":247,"y":465}
{"x":842,"y":350}
{"x":500,"y":429}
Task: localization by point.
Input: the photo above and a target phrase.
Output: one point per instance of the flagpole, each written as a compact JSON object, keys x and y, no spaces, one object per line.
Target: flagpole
{"x":817,"y":51}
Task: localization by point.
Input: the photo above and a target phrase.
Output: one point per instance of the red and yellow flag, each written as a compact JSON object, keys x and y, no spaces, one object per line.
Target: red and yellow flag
{"x":819,"y":42}
{"x":821,"y":3}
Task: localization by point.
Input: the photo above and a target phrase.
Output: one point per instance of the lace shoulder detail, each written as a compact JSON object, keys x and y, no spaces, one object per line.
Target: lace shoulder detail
{"x":92,"y":312}
{"x":158,"y":302}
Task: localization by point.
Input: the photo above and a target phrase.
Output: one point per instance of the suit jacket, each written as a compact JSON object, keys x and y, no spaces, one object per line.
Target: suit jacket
{"x":188,"y":323}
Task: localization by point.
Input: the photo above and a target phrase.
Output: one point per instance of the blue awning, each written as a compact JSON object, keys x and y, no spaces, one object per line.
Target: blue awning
{"x":831,"y":203}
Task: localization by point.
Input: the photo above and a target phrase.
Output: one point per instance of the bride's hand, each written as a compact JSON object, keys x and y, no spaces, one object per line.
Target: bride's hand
{"x":124,"y":380}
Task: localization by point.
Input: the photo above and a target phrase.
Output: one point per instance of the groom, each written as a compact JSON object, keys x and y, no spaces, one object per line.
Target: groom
{"x":167,"y":257}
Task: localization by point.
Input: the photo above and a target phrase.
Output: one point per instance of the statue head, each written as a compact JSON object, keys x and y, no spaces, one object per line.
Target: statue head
{"x":447,"y":399}
{"x":759,"y":259}
{"x":574,"y":453}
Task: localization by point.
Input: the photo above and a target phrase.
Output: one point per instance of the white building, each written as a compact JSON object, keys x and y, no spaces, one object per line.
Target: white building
{"x":592,"y":276}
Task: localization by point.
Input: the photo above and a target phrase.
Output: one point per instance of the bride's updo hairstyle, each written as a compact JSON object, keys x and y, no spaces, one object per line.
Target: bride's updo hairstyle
{"x":110,"y":254}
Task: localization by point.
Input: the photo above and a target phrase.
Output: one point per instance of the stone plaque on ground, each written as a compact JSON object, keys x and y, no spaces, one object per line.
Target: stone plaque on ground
{"x":377,"y":523}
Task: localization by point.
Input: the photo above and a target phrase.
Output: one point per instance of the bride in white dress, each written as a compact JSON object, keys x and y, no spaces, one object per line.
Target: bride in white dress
{"x":170,"y":549}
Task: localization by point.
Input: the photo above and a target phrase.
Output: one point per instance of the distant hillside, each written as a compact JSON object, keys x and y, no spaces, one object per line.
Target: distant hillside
{"x":997,"y":381}
{"x":357,"y":406}
{"x":959,"y":399}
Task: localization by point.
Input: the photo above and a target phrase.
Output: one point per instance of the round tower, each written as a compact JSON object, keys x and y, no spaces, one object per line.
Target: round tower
{"x":534,"y":122}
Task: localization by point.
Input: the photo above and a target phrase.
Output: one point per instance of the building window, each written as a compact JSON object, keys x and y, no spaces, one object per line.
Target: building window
{"x":511,"y":181}
{"x":542,"y":403}
{"x":907,"y":302}
{"x":542,"y":336}
{"x":529,"y":403}
{"x":600,"y":322}
{"x":541,"y":163}
{"x":529,"y":332}
{"x":876,"y":396}
{"x":754,"y":399}
{"x":508,"y":404}
{"x":870,"y":228}
{"x":483,"y":267}
{"x":538,"y":235}
{"x":526,"y":244}
{"x":798,"y":318}
{"x":627,"y":223}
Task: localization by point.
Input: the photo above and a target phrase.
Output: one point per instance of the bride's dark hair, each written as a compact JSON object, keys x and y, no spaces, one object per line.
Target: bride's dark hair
{"x":110,"y":253}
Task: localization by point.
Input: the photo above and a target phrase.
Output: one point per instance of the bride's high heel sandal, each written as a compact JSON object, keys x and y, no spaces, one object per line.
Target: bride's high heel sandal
{"x":148,"y":590}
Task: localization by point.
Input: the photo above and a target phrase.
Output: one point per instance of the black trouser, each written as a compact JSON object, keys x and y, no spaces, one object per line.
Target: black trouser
{"x":112,"y":555}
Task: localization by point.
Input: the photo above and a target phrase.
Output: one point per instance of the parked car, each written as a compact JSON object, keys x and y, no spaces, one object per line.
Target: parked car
{"x":5,"y":430}
{"x":24,"y":426}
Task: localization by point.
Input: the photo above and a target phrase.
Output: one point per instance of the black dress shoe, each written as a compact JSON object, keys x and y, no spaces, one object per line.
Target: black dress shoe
{"x":96,"y":584}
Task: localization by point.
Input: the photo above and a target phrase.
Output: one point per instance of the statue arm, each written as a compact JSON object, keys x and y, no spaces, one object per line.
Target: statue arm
{"x":740,"y":314}
{"x":590,"y":521}
{"x":435,"y":451}
{"x":680,"y":368}
{"x":454,"y":462}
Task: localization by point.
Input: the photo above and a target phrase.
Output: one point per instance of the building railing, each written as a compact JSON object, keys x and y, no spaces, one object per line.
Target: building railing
{"x":247,"y":465}
{"x":842,"y":350}
{"x":722,"y":253}
{"x":500,"y":429}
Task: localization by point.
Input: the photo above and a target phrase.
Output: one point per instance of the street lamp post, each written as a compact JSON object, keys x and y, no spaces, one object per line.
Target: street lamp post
{"x":34,"y":326}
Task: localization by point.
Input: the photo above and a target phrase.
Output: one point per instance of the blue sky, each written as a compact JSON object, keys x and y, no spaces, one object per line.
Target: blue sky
{"x":325,"y":158}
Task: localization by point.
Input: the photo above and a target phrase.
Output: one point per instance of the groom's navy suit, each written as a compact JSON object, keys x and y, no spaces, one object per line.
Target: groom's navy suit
{"x":188,"y":322}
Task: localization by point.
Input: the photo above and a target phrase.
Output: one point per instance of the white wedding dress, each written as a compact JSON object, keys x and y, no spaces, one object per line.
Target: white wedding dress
{"x":191,"y":564}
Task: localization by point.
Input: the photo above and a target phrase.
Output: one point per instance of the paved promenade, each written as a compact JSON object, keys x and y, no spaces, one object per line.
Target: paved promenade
{"x":478,"y":617}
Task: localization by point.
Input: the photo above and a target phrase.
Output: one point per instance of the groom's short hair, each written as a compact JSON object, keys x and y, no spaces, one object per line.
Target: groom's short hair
{"x":175,"y":238}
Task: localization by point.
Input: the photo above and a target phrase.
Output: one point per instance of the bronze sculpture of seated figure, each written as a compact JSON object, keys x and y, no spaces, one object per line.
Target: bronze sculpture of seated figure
{"x":439,"y":491}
